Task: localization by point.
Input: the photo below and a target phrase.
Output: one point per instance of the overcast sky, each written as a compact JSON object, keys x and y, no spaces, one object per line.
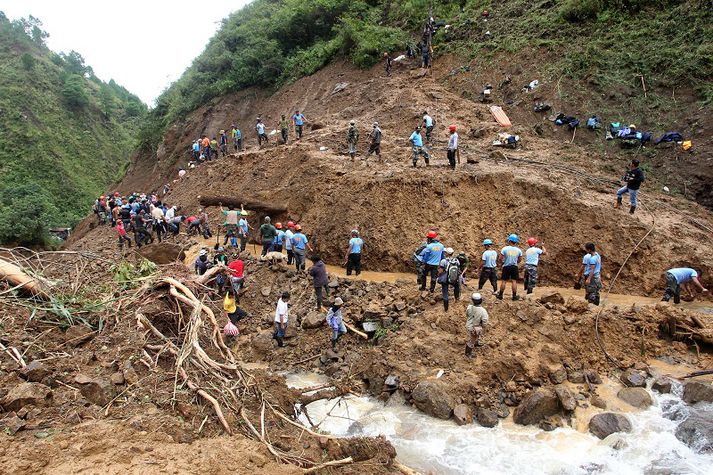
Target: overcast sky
{"x":143,"y":45}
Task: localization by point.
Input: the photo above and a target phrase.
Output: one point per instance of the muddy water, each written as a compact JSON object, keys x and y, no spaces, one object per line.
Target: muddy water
{"x":392,"y":277}
{"x":433,"y":445}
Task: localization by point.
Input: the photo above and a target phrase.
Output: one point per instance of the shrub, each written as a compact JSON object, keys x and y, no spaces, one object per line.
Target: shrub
{"x":577,"y":11}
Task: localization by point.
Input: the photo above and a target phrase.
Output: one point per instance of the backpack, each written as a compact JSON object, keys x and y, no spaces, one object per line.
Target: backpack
{"x":453,"y":270}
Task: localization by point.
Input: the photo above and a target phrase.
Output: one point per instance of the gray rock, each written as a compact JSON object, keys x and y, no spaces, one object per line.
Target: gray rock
{"x":535,"y":406}
{"x":662,"y":385}
{"x":558,"y":375}
{"x":599,"y":402}
{"x":637,"y":397}
{"x":503,"y":411}
{"x":266,"y":291}
{"x":313,"y":320}
{"x":98,"y":391}
{"x":35,"y":372}
{"x":592,"y":376}
{"x":463,"y":414}
{"x":392,"y":381}
{"x":576,"y":377}
{"x":607,"y":423}
{"x":25,"y":394}
{"x":696,"y":391}
{"x":633,"y":378}
{"x":697,"y":432}
{"x":431,"y":397}
{"x":487,"y":417}
{"x":566,"y":398}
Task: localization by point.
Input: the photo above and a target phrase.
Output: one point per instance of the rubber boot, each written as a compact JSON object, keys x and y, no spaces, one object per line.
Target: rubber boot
{"x":500,"y":295}
{"x":334,"y":345}
{"x":676,"y":298}
{"x":414,"y":163}
{"x":595,"y":300}
{"x":468,"y":351}
{"x":515,"y":297}
{"x":618,"y":202}
{"x":445,"y":305}
{"x":632,"y":209}
{"x":529,"y":291}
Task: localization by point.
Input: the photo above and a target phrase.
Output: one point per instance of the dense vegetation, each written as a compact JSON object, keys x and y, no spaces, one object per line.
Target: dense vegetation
{"x":66,"y":135}
{"x":608,"y":42}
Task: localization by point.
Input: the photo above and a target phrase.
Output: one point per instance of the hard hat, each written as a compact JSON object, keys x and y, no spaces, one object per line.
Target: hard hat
{"x":338,"y":302}
{"x":352,"y":122}
{"x":376,"y":124}
{"x":531,"y":241}
{"x":461,"y":254}
{"x":448,"y":250}
{"x":203,"y":252}
{"x":513,"y":238}
{"x":432,"y":235}
{"x":452,"y":128}
{"x":267,"y":219}
{"x":355,"y":231}
{"x":278,"y":225}
{"x":476,"y":297}
{"x":488,"y":242}
{"x":290,"y":224}
{"x":632,"y":126}
{"x":221,"y":249}
{"x":298,"y":227}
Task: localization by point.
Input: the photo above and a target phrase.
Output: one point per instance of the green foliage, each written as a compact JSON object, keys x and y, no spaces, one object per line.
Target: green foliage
{"x":581,"y":10}
{"x":129,"y":276}
{"x":309,"y":61}
{"x":366,"y":41}
{"x":66,"y":134}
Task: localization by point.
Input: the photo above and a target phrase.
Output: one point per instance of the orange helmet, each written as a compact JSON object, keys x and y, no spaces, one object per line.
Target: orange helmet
{"x":298,"y":227}
{"x":432,"y":235}
{"x":278,"y":225}
{"x":290,"y":224}
{"x":452,"y":128}
{"x":531,"y":241}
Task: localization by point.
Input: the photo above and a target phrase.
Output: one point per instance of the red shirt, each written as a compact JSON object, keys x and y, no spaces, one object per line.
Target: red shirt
{"x":236,"y":268}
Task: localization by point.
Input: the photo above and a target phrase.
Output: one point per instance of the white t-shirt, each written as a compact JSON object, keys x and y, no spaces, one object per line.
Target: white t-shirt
{"x":281,"y":310}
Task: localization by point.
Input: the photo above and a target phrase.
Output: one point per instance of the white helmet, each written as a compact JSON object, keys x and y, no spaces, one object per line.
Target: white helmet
{"x":476,"y":298}
{"x":448,"y":250}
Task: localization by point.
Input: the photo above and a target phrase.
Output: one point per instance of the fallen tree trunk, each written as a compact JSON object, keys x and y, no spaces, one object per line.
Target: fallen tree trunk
{"x":17,"y":278}
{"x":237,"y":201}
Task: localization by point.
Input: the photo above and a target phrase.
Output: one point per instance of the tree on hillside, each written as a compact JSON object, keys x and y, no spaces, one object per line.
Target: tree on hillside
{"x":28,"y":61}
{"x":74,"y":64}
{"x":106,"y":100}
{"x":74,"y":93}
{"x":25,"y":209}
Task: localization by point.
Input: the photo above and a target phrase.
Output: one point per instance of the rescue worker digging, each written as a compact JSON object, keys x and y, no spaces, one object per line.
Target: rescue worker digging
{"x":591,"y":270}
{"x":681,"y":277}
{"x":353,"y":257}
{"x":336,"y":322}
{"x":476,"y":323}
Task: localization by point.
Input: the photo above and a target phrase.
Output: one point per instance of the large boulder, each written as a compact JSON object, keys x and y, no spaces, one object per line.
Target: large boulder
{"x":697,"y":432}
{"x":567,"y":400}
{"x":536,"y":406}
{"x":463,"y":414}
{"x":637,"y":397}
{"x":313,"y":320}
{"x":696,"y":391}
{"x":431,"y":397}
{"x":25,"y":394}
{"x":604,"y":424}
{"x":633,"y":378}
{"x":487,"y":417}
{"x":577,"y":305}
{"x":662,"y":385}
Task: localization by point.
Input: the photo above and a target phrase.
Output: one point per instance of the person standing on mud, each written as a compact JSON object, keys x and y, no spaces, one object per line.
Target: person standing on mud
{"x":243,"y":229}
{"x":299,"y":243}
{"x":387,"y":64}
{"x":223,"y":143}
{"x":532,"y":259}
{"x":449,"y":275}
{"x":353,"y":257}
{"x":417,"y":146}
{"x":281,"y":318}
{"x":284,"y":128}
{"x":428,"y":123}
{"x":267,"y":234}
{"x":681,"y":277}
{"x":279,"y":238}
{"x":591,"y":270}
{"x":431,"y":257}
{"x":375,"y":145}
{"x":237,"y":138}
{"x":231,"y":222}
{"x":320,"y":279}
{"x":488,"y":266}
{"x":261,"y":135}
{"x":633,"y":177}
{"x":352,"y":138}
{"x":336,"y":322}
{"x":476,"y":323}
{"x":511,"y":258}
{"x":452,"y":146}
{"x":299,"y":121}
{"x":289,"y":234}
{"x":121,"y":231}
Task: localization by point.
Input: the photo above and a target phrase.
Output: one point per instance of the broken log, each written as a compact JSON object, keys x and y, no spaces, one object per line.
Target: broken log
{"x":237,"y":201}
{"x":19,"y":279}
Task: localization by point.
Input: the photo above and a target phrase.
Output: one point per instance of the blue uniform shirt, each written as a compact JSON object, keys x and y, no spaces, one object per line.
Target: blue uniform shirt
{"x":299,"y":119}
{"x":592,"y":260}
{"x":279,"y":237}
{"x":416,"y":139}
{"x":428,"y":120}
{"x":490,"y":258}
{"x":260,"y":128}
{"x":243,"y":225}
{"x":532,"y":255}
{"x":432,"y":254}
{"x":288,"y":239}
{"x":511,"y":254}
{"x":356,"y":244}
{"x":683,"y":274}
{"x":196,"y":147}
{"x":299,"y":241}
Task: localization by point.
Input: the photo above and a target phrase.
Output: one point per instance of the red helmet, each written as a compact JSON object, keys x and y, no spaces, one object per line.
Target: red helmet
{"x":278,"y":225}
{"x":531,"y":241}
{"x":432,"y":235}
{"x":290,"y":224}
{"x":298,"y":227}
{"x":452,"y":128}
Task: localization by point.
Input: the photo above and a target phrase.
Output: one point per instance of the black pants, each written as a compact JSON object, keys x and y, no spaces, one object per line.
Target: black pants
{"x":452,"y":158}
{"x":374,"y":148}
{"x":142,"y":236}
{"x":456,"y":292}
{"x":261,"y":138}
{"x":488,"y":274}
{"x":284,"y":135}
{"x":318,"y":294}
{"x":354,"y":263}
{"x":298,"y":129}
{"x":160,"y":229}
{"x":433,"y":270}
{"x":266,"y":247}
{"x":290,"y":257}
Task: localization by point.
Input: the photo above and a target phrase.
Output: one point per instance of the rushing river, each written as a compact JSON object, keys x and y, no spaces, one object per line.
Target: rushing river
{"x":432,"y":445}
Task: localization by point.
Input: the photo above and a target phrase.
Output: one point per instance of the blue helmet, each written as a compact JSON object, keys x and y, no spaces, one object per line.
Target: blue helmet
{"x":488,"y":242}
{"x":513,"y":238}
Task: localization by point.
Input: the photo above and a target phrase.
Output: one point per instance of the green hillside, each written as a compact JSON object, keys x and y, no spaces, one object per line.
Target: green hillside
{"x":66,"y":135}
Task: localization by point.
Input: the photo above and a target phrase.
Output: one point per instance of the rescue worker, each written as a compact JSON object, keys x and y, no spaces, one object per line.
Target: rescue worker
{"x":591,"y":271}
{"x":633,"y":177}
{"x":261,"y":135}
{"x":223,"y":143}
{"x":299,"y":243}
{"x":206,"y":147}
{"x":281,"y":318}
{"x":237,"y":138}
{"x":267,"y":234}
{"x":464,"y":263}
{"x":417,"y":146}
{"x":352,"y":138}
{"x":453,"y":146}
{"x":681,"y":277}
{"x":431,"y":257}
{"x":336,"y":322}
{"x":428,"y":124}
{"x":231,"y":223}
{"x":284,"y":128}
{"x":532,"y":259}
{"x":476,"y":323}
{"x":201,"y":264}
{"x":123,"y":237}
{"x":510,"y":258}
{"x":243,"y":229}
{"x":352,"y":259}
{"x":488,"y":266}
{"x":196,"y":151}
{"x":375,"y":144}
{"x":299,"y":121}
{"x":279,"y":238}
{"x":387,"y":64}
{"x":449,"y":275}
{"x":320,"y":279}
{"x":288,"y":242}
